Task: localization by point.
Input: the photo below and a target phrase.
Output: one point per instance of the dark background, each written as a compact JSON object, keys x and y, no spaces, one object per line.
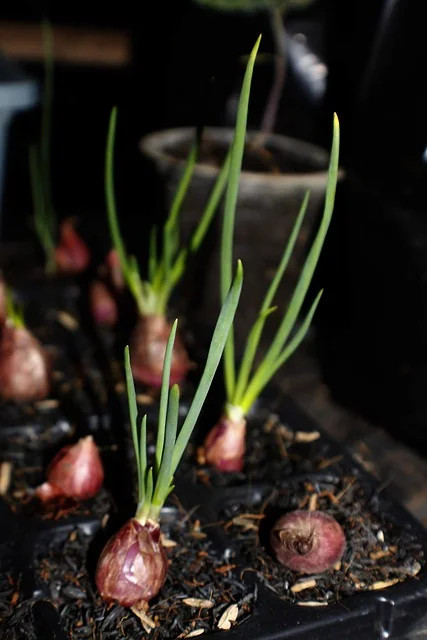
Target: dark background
{"x":372,"y":324}
{"x":185,"y":65}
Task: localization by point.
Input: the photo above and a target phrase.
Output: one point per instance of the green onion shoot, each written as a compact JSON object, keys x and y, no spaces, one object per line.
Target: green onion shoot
{"x":164,"y":270}
{"x":70,"y":254}
{"x":39,"y":161}
{"x":224,"y":446}
{"x":133,"y":565}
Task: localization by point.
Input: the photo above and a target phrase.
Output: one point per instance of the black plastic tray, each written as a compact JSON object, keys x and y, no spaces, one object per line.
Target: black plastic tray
{"x":78,"y":402}
{"x":396,"y":612}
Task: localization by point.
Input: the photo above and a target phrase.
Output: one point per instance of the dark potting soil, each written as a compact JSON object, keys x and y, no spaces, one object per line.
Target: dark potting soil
{"x":15,"y":611}
{"x":199,"y":588}
{"x":23,"y":502}
{"x":379,"y":552}
{"x":257,"y":159}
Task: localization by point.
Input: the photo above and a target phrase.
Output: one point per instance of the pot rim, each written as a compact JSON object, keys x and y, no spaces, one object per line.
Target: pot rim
{"x":153,"y":146}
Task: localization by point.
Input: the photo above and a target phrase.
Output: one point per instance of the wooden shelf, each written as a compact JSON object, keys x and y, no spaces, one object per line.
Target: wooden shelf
{"x":74,"y":45}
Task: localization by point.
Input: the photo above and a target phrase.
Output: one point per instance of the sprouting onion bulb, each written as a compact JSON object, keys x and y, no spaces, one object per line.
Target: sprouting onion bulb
{"x":132,"y":567}
{"x":148,"y":345}
{"x":103,"y":305}
{"x":224,"y":447}
{"x":71,"y":254}
{"x":308,"y":541}
{"x":75,"y":472}
{"x":163,"y":270}
{"x":24,"y":365}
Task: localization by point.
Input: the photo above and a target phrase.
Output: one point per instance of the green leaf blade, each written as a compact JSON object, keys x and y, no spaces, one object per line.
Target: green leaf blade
{"x":211,"y":206}
{"x":219,"y":338}
{"x":142,"y":460}
{"x":164,"y":395}
{"x":152,"y":254}
{"x":128,"y":268}
{"x":164,"y":478}
{"x":249,"y":354}
{"x":258,"y":383}
{"x":133,"y":418}
{"x":171,"y":227}
{"x":267,"y":366}
{"x":231,"y":195}
{"x":256,"y":331}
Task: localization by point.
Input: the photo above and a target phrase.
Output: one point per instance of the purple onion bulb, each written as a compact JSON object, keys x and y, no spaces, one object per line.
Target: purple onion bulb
{"x":307,"y":541}
{"x":133,"y":565}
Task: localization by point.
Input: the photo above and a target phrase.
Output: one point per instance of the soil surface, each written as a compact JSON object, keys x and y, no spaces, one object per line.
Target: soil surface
{"x":15,"y":612}
{"x":199,"y":589}
{"x":274,"y":451}
{"x":379,"y":553}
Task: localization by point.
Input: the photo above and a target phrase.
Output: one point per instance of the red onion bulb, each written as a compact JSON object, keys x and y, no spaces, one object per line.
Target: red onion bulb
{"x":71,"y":254}
{"x":75,"y":472}
{"x":133,"y":565}
{"x":102,"y":304}
{"x":24,"y":365}
{"x":307,"y":541}
{"x":148,"y":346}
{"x":225,"y":445}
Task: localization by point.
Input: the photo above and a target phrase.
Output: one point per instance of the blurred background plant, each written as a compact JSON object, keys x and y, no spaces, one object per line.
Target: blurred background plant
{"x":277,"y":10}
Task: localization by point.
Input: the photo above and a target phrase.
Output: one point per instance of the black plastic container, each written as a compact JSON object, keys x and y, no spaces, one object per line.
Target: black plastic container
{"x":395,"y":612}
{"x":78,"y":399}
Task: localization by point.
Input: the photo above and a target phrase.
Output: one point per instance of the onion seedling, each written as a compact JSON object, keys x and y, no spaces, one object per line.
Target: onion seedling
{"x":24,"y":365}
{"x":70,"y":255}
{"x":133,"y":565}
{"x":152,"y":294}
{"x":224,"y":447}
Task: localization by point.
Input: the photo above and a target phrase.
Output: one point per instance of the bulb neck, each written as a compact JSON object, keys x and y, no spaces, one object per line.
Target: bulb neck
{"x":234,"y":412}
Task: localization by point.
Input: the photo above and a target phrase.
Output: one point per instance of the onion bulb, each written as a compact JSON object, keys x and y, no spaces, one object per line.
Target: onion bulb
{"x":102,"y":304}
{"x":24,"y":365}
{"x":75,"y":472}
{"x":148,"y":346}
{"x":225,"y":445}
{"x":133,"y":565}
{"x":71,"y":254}
{"x":307,"y":541}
